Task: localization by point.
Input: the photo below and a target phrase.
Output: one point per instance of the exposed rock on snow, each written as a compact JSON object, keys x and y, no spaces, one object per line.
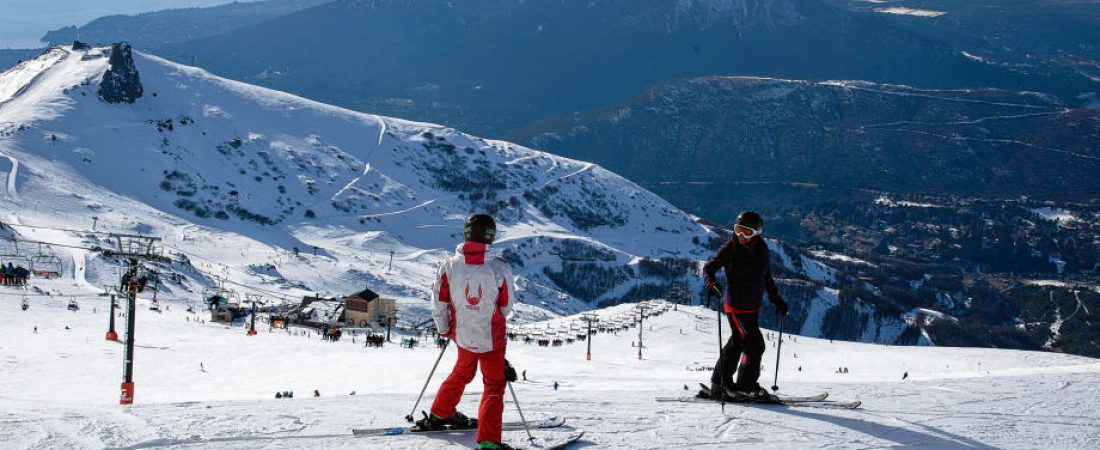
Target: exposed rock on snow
{"x":121,"y":83}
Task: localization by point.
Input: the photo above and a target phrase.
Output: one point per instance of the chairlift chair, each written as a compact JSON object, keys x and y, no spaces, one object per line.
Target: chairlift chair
{"x":46,"y":265}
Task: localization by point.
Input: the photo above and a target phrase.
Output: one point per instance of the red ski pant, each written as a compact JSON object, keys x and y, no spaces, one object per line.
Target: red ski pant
{"x":492,"y":399}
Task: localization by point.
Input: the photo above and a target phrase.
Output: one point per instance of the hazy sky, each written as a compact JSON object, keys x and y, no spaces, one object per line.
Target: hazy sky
{"x":23,"y":22}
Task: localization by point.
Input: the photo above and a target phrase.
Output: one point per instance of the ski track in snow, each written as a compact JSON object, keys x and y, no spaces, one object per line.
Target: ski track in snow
{"x":921,"y":93}
{"x":967,"y":122}
{"x":12,"y":173}
{"x":394,"y":213}
{"x":996,"y":141}
{"x":584,"y":168}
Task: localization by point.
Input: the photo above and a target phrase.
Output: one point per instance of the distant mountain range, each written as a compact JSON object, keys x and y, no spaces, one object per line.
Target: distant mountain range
{"x":698,"y":141}
{"x":495,"y":66}
{"x":1052,"y":39}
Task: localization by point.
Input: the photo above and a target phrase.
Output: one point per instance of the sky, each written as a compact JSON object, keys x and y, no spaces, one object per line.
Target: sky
{"x":23,"y":22}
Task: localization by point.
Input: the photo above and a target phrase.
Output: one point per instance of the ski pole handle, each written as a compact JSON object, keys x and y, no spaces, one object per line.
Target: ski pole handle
{"x":409,"y":417}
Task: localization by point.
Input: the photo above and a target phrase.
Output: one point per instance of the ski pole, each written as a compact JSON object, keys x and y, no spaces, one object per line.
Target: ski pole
{"x":779,"y":348}
{"x":516,"y":401}
{"x":721,"y":366}
{"x":409,"y":417}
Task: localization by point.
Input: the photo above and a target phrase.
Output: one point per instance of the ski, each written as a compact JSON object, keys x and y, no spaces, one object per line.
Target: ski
{"x":552,"y":443}
{"x":800,"y":404}
{"x":778,"y":398}
{"x":552,"y":422}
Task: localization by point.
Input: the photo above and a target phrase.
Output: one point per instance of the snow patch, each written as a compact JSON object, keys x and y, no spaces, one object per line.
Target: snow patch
{"x":1058,"y":215}
{"x":972,"y":56}
{"x":890,"y":203}
{"x":818,"y":271}
{"x":824,"y":254}
{"x":903,"y":11}
{"x":215,"y":111}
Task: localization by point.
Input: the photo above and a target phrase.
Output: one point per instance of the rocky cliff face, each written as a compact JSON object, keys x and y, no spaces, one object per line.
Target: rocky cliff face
{"x":121,"y":83}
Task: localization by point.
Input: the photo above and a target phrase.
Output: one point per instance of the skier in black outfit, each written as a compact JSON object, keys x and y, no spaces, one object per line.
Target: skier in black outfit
{"x":747,"y":263}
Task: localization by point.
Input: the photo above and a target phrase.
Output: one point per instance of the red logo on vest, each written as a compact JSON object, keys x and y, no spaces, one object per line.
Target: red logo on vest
{"x":473,"y":300}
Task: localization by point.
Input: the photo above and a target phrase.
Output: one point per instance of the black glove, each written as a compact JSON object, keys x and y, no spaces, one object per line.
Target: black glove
{"x":712,"y":286}
{"x":509,"y":371}
{"x":780,"y":306}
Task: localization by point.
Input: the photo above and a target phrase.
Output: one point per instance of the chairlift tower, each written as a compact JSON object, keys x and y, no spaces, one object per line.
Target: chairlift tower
{"x":590,"y":318}
{"x":111,"y":334}
{"x":133,"y":249}
{"x":253,"y":298}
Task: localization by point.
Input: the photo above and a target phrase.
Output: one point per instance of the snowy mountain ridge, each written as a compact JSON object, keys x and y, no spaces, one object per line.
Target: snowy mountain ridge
{"x":239,"y":175}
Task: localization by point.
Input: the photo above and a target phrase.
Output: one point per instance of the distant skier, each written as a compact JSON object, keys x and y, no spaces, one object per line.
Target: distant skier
{"x":316,"y":393}
{"x":278,"y":395}
{"x":472,"y":297}
{"x":525,"y":375}
{"x":555,"y":385}
{"x":904,"y":376}
{"x":747,"y":264}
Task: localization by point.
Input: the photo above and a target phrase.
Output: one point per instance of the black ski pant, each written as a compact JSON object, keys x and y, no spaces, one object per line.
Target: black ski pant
{"x":742,"y":353}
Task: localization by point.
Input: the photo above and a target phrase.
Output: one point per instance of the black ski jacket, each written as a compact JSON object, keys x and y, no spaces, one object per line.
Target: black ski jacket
{"x":748,"y":274}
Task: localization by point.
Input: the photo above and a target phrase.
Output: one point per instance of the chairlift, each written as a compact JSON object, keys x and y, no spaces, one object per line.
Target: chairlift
{"x":46,"y":265}
{"x":16,"y":260}
{"x":156,"y":288}
{"x":215,"y":297}
{"x":73,"y":305}
{"x":26,"y":305}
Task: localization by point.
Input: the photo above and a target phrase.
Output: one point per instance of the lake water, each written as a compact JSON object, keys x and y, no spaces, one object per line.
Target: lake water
{"x":23,"y":22}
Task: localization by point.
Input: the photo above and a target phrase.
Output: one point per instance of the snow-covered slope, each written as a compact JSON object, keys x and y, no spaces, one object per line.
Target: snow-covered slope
{"x":202,"y":385}
{"x":234,"y":177}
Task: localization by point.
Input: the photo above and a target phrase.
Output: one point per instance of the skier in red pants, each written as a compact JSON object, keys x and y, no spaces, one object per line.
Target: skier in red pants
{"x":472,"y":298}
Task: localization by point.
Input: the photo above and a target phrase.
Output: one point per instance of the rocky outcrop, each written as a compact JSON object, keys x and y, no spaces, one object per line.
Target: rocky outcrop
{"x":121,"y":83}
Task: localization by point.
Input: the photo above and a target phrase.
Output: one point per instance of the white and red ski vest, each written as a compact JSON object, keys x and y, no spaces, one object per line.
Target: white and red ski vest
{"x":472,"y":296}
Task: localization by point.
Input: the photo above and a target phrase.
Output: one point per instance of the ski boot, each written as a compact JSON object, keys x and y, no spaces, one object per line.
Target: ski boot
{"x":486,"y":445}
{"x":752,"y":395}
{"x":716,"y":392}
{"x":458,"y":421}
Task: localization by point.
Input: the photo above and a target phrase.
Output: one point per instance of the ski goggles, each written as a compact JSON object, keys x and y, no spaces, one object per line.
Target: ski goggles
{"x":746,"y":232}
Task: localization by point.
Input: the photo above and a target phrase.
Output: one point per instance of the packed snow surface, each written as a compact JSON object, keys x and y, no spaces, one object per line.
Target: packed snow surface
{"x":205,"y":385}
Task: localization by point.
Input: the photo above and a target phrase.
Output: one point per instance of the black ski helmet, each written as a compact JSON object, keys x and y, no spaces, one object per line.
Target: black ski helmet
{"x":481,"y":228}
{"x":750,"y":219}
